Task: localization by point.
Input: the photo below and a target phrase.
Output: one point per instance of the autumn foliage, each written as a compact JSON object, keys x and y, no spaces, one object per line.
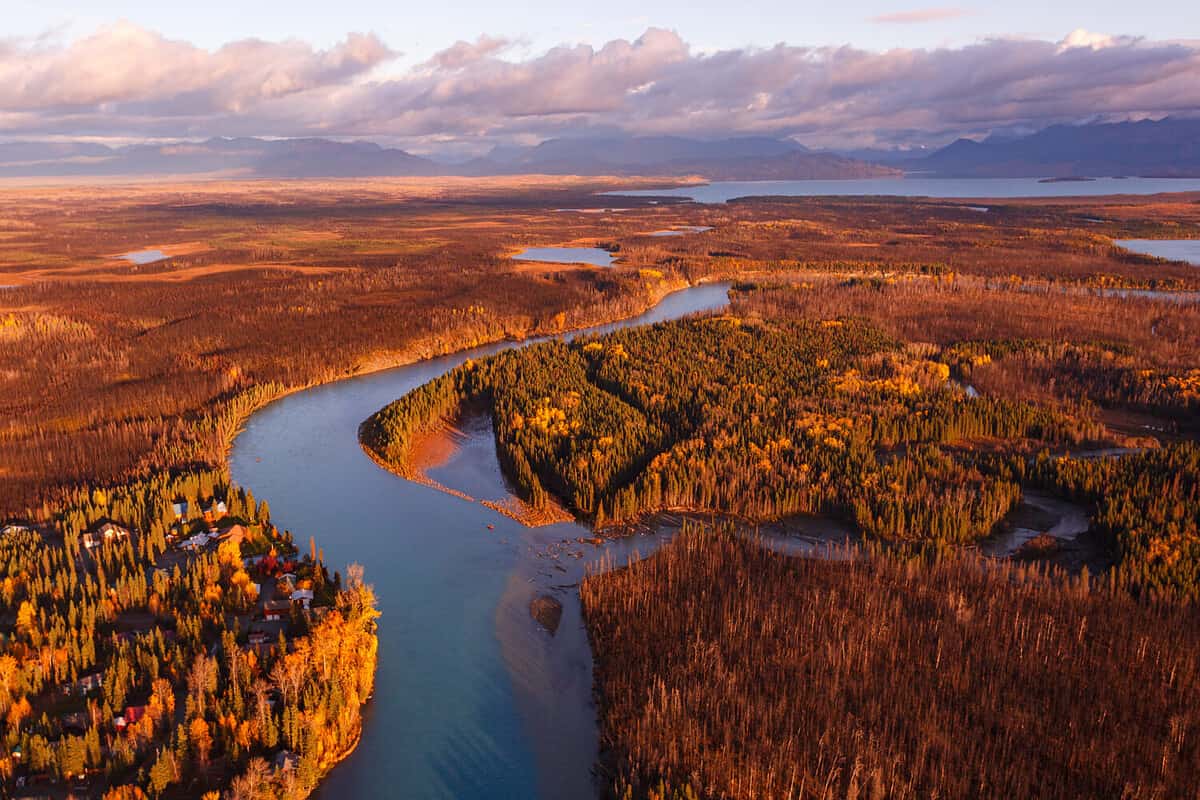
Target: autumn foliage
{"x":729,"y":671}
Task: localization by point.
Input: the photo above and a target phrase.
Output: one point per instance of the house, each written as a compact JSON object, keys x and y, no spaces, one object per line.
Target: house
{"x":214,"y":509}
{"x":130,"y":717}
{"x":275,"y":610}
{"x":108,"y":532}
{"x":12,"y":529}
{"x":259,"y":638}
{"x":196,"y":543}
{"x":86,"y":684}
{"x":286,"y":760}
{"x":303,"y":597}
{"x":181,"y":510}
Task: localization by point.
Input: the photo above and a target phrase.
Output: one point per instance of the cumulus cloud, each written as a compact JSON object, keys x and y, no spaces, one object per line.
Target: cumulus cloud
{"x":1081,"y":37}
{"x":919,"y":16}
{"x":127,"y":81}
{"x":463,"y":54}
{"x":124,"y":66}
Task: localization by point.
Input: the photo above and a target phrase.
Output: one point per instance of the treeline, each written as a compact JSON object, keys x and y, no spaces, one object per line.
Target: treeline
{"x":1147,"y":505}
{"x":1107,"y":373}
{"x":761,"y":419}
{"x":1047,"y":347}
{"x":133,"y":666}
{"x":729,"y":671}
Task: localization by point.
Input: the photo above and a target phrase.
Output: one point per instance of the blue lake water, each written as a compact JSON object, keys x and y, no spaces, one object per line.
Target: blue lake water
{"x":568,"y":255}
{"x":724,"y":191}
{"x":145,"y":256}
{"x":1175,"y":249}
{"x":472,"y":700}
{"x":683,"y":230}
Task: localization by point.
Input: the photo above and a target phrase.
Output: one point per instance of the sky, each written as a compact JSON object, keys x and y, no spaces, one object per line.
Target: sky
{"x":465,"y":75}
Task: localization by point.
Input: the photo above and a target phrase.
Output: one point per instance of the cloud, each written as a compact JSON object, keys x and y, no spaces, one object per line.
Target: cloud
{"x":125,"y":81}
{"x":918,"y":16}
{"x":124,"y":64}
{"x":462,"y":54}
{"x":1085,"y":38}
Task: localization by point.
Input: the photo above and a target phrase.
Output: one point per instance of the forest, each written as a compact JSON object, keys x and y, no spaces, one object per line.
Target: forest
{"x":138,"y":664}
{"x":767,"y":418}
{"x":730,"y":671}
{"x":111,"y":370}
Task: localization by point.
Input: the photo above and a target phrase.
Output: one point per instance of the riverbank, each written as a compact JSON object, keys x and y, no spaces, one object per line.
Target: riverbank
{"x":473,"y":699}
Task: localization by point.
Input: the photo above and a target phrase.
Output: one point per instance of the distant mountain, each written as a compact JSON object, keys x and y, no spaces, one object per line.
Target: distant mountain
{"x":321,"y":158}
{"x":879,"y":155}
{"x":744,"y":158}
{"x":244,"y":157}
{"x":1166,"y":148}
{"x":630,"y":152}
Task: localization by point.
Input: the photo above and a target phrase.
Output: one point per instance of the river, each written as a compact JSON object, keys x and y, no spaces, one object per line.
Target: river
{"x":472,"y":699}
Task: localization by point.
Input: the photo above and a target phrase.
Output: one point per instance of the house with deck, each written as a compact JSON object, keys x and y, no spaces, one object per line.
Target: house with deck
{"x":276,"y":610}
{"x":104,"y":534}
{"x":196,"y":543}
{"x":85,"y":685}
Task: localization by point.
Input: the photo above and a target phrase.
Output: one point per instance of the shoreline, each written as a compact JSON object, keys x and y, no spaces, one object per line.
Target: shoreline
{"x":407,"y":358}
{"x":404,"y":359}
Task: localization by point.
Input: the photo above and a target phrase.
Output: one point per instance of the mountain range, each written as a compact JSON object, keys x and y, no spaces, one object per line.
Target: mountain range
{"x":1164,"y":148}
{"x":749,"y":158}
{"x":1168,"y":148}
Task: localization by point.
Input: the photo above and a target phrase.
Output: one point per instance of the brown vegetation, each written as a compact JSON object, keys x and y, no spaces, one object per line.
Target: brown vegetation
{"x":728,"y":671}
{"x":111,"y":370}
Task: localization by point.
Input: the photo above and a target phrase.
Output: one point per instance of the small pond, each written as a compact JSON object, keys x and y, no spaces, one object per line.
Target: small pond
{"x":568,"y":255}
{"x":144,"y":256}
{"x":682,"y":230}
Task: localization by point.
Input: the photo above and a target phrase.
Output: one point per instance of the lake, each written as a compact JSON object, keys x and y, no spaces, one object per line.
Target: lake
{"x":947,"y":188}
{"x":472,"y":700}
{"x":144,"y":256}
{"x":683,"y":230}
{"x":568,"y":255}
{"x":1174,"y":249}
